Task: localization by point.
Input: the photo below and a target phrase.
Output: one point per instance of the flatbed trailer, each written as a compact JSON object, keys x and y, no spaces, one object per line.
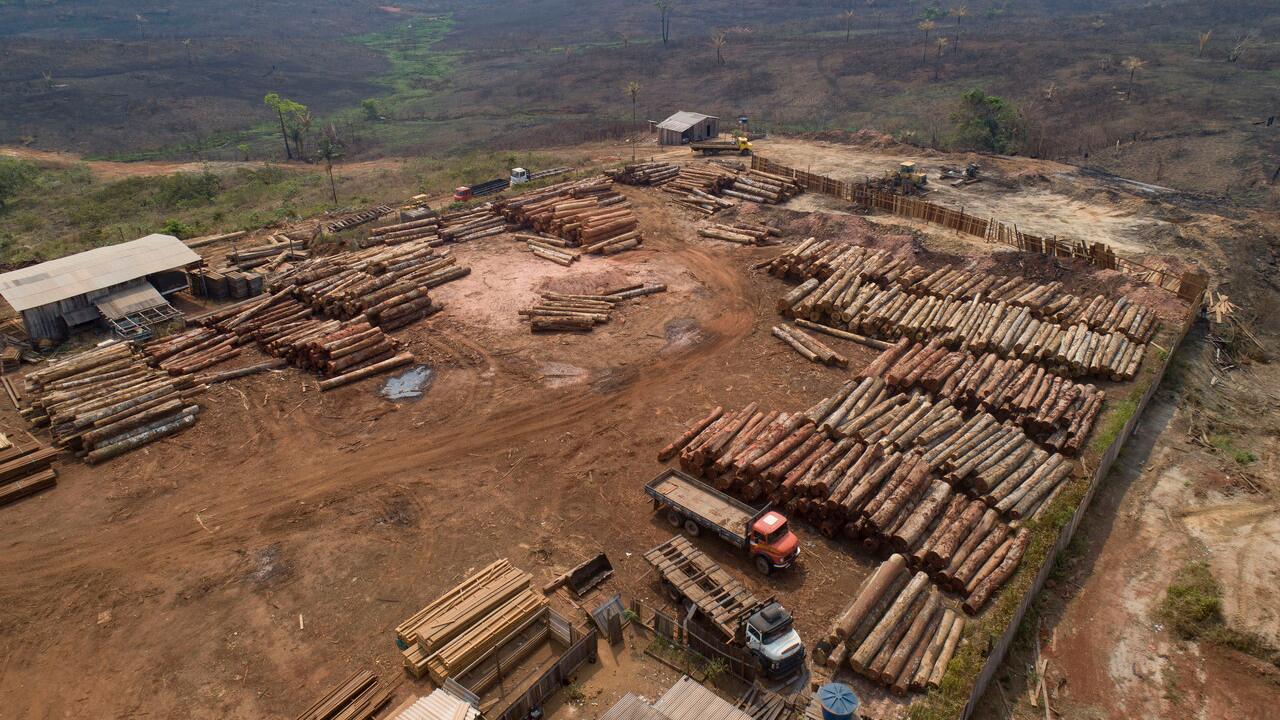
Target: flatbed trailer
{"x":692,"y":575}
{"x":715,"y":147}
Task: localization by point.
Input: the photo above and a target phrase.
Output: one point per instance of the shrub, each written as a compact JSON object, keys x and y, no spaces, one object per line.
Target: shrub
{"x":1193,"y":603}
{"x":178,"y":229}
{"x":986,"y":122}
{"x":15,"y":176}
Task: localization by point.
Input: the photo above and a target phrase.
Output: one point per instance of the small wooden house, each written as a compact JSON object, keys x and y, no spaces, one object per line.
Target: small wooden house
{"x":124,"y":284}
{"x":686,"y":127}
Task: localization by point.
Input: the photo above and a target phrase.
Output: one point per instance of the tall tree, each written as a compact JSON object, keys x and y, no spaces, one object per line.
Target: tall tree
{"x":282,"y":107}
{"x":664,"y":9}
{"x":848,"y":16}
{"x":187,"y":44}
{"x":1133,"y":65}
{"x":633,"y":92}
{"x":942,"y":43}
{"x":718,"y":41}
{"x":959,"y":12}
{"x":927,"y":27}
{"x":1204,"y":40}
{"x":987,"y":122}
{"x":330,"y":149}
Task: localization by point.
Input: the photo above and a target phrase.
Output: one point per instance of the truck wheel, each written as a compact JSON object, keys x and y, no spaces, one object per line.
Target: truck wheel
{"x":763,"y":565}
{"x":692,"y":528}
{"x":675,"y":518}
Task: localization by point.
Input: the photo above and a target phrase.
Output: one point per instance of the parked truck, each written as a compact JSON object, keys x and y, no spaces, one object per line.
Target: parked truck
{"x":687,"y":502}
{"x":738,"y":145}
{"x":763,"y":627}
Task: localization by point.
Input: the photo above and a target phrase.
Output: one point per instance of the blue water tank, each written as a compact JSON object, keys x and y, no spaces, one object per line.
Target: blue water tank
{"x":838,"y":702}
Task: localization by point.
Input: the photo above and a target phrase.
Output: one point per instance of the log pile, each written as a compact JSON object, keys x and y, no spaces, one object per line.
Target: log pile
{"x":25,"y":469}
{"x":842,"y":290}
{"x":1057,"y":411}
{"x":648,"y":173}
{"x":876,"y":488}
{"x":586,"y":213}
{"x":698,"y":188}
{"x":809,"y":347}
{"x":743,"y":233}
{"x":467,"y":606}
{"x":425,"y":229}
{"x":191,"y":350}
{"x":356,"y":219}
{"x":554,"y":249}
{"x":108,"y":401}
{"x":762,"y":187}
{"x":566,"y":312}
{"x":359,"y":697}
{"x":471,"y":224}
{"x":898,"y":632}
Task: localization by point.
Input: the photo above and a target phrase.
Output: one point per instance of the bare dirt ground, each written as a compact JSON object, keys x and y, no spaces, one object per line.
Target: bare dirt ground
{"x":242,"y":568}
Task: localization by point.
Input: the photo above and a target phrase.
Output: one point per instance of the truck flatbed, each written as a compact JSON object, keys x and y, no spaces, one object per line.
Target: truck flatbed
{"x":696,"y":497}
{"x":719,"y":596}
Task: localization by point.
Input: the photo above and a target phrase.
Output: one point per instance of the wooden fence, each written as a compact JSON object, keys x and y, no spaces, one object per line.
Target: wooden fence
{"x":737,"y":661}
{"x":582,"y":650}
{"x":1098,"y":255}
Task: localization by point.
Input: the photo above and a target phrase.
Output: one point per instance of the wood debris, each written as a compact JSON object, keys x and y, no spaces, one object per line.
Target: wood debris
{"x":25,"y":469}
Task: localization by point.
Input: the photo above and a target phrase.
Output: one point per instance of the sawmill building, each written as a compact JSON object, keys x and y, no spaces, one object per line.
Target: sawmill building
{"x":124,"y":285}
{"x":686,"y":127}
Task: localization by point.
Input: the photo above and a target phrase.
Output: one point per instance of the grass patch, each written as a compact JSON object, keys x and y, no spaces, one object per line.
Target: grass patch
{"x":1192,"y":610}
{"x":1224,"y":445}
{"x":417,"y":70}
{"x":1113,"y":424}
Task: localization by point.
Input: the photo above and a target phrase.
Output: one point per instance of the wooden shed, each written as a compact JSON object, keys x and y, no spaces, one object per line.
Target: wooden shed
{"x":685,"y":127}
{"x":124,"y":284}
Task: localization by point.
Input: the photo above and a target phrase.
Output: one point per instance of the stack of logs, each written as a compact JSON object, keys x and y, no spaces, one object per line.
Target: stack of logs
{"x":425,"y":229}
{"x":809,"y":347}
{"x":549,"y":248}
{"x":742,"y":232}
{"x":587,"y":213}
{"x":762,"y":187}
{"x":570,"y":312}
{"x":844,"y":290}
{"x":1057,"y":411}
{"x":472,"y":224}
{"x":108,"y":401}
{"x":648,"y":173}
{"x":359,"y":697}
{"x":873,"y":488}
{"x":191,"y":351}
{"x":698,"y":188}
{"x":897,"y":632}
{"x":25,"y":469}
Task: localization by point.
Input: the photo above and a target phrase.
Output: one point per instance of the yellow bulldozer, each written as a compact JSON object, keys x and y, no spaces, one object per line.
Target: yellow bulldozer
{"x":906,"y":180}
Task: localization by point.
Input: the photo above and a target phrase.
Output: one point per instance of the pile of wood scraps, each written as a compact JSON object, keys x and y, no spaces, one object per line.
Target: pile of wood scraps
{"x":897,"y":632}
{"x":25,"y":469}
{"x":742,"y":233}
{"x":556,"y":312}
{"x":108,"y":401}
{"x":359,"y":697}
{"x":648,"y":173}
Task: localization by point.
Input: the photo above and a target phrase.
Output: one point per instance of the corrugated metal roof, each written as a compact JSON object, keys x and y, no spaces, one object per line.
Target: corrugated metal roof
{"x":132,"y":299}
{"x":439,"y":705}
{"x":92,"y":270}
{"x":631,"y":707}
{"x":684,"y":120}
{"x":689,"y":700}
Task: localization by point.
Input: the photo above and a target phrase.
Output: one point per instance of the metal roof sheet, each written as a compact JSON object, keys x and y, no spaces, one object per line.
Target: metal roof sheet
{"x":631,"y":707}
{"x":439,"y":705}
{"x":689,"y":700}
{"x":92,"y":270}
{"x":684,"y":120}
{"x":132,"y":299}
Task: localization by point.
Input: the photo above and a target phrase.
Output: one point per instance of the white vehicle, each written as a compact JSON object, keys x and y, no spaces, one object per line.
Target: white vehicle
{"x":519,"y":176}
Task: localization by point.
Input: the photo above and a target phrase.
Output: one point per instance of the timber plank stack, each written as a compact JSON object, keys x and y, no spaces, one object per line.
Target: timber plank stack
{"x":107,"y":401}
{"x":555,"y":312}
{"x":742,"y":233}
{"x":470,"y":620}
{"x":862,"y":290}
{"x":648,"y":173}
{"x":359,"y":697}
{"x":25,"y":469}
{"x":898,"y":631}
{"x":587,"y":213}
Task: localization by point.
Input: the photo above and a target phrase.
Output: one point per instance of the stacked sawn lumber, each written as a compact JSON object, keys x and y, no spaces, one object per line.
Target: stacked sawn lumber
{"x":25,"y":469}
{"x":560,"y":311}
{"x":463,"y":607}
{"x":355,"y":219}
{"x":897,"y":632}
{"x":108,"y":401}
{"x":359,"y":697}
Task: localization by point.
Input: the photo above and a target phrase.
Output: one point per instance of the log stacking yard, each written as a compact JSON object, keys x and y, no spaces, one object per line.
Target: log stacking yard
{"x":918,"y":416}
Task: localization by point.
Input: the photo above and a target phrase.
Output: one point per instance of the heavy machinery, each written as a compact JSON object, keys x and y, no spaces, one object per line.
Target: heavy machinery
{"x":764,"y":534}
{"x":738,"y":145}
{"x":906,"y":180}
{"x":763,"y":627}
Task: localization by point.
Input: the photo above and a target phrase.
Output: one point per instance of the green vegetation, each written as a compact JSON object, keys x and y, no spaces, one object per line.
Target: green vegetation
{"x":1111,"y":427}
{"x":574,"y":694}
{"x":15,"y":176}
{"x":1192,"y":609}
{"x":987,"y":122}
{"x":417,"y":70}
{"x":1224,"y":445}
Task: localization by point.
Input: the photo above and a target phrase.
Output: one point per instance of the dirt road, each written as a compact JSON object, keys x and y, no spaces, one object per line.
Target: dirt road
{"x":112,"y":170}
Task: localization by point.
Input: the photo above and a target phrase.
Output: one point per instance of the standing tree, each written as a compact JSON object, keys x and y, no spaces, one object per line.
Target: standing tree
{"x":283,"y":107}
{"x":664,"y":8}
{"x":937,"y":59}
{"x":633,"y":92}
{"x":986,"y":122}
{"x":187,"y":44}
{"x":848,"y":17}
{"x":718,"y":41}
{"x":1133,"y":65}
{"x":927,"y":27}
{"x":959,"y":12}
{"x":1204,"y":40}
{"x":330,"y":149}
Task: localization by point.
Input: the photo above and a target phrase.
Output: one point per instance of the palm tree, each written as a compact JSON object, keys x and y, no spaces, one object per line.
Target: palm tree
{"x":187,"y":44}
{"x":633,"y":91}
{"x":718,"y":42}
{"x":664,"y":8}
{"x":1204,"y":40}
{"x":1133,"y":65}
{"x":330,"y":150}
{"x":959,"y":12}
{"x":848,"y":23}
{"x":937,"y":60}
{"x":927,"y":26}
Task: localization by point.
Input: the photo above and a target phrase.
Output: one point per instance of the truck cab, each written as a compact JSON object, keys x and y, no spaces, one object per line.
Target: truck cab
{"x":773,"y":546}
{"x":772,"y":637}
{"x":462,"y":194}
{"x":519,"y":176}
